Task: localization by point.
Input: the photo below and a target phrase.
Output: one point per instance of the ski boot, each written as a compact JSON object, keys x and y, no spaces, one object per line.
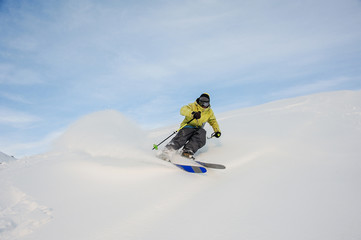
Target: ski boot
{"x":187,"y":153}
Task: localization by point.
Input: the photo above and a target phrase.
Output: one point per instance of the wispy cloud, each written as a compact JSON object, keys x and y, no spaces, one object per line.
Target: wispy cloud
{"x":16,"y":118}
{"x":14,"y":98}
{"x":308,"y":88}
{"x":21,"y":148}
{"x":18,"y":75}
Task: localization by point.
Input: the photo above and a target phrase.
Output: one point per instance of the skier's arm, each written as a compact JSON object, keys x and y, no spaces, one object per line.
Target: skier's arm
{"x":213,"y":122}
{"x":186,"y":111}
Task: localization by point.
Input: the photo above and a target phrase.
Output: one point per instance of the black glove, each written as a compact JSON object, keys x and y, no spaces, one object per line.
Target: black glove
{"x":196,"y":115}
{"x":217,"y":134}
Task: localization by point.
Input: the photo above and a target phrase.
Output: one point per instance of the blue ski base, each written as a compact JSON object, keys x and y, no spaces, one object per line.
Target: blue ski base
{"x":191,"y":169}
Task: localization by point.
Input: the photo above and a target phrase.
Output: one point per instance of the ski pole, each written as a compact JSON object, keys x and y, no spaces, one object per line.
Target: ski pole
{"x":155,"y":146}
{"x":212,"y":136}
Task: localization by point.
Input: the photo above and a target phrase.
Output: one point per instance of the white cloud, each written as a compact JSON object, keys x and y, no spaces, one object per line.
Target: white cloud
{"x":14,"y":97}
{"x":307,"y":88}
{"x":26,"y":148}
{"x":18,"y":75}
{"x":16,"y":118}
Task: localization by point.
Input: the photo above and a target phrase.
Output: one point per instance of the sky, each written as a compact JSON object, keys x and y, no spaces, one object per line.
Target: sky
{"x":61,"y":60}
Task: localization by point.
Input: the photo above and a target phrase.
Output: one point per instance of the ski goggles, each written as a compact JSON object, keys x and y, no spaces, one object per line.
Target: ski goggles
{"x":204,"y":102}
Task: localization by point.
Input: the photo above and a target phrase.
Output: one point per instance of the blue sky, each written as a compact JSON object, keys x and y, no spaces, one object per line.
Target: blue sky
{"x":60,"y":60}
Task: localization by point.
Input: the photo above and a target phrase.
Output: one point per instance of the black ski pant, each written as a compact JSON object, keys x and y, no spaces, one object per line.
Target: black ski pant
{"x":189,"y":138}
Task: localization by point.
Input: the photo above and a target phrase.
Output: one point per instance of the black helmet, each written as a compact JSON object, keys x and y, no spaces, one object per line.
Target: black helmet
{"x":204,"y":100}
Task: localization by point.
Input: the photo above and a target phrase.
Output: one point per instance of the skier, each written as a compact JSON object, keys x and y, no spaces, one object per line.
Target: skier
{"x":192,"y":136}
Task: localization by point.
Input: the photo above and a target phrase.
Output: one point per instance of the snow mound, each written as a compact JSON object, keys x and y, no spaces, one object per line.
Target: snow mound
{"x":104,"y":134}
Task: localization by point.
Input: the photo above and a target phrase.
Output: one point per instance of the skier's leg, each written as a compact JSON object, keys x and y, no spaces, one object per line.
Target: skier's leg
{"x":176,"y":143}
{"x":197,"y":140}
{"x":181,"y":138}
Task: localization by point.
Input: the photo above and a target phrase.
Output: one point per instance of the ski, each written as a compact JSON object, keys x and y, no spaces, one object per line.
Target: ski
{"x":211,"y":165}
{"x":190,"y":168}
{"x":185,"y":167}
{"x":208,"y":165}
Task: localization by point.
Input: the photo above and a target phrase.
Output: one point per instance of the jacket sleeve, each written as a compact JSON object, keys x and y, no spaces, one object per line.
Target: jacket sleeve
{"x":186,"y":111}
{"x":213,"y":122}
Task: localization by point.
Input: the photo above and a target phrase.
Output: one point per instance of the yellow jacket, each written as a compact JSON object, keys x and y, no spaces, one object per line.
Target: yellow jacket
{"x":207,"y":115}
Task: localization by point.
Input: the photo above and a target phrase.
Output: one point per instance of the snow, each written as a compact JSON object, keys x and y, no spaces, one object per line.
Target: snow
{"x":293,"y":172}
{"x":4,"y":158}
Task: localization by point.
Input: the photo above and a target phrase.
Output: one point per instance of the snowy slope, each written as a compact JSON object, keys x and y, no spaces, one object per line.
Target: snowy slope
{"x":4,"y":158}
{"x":293,"y":172}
